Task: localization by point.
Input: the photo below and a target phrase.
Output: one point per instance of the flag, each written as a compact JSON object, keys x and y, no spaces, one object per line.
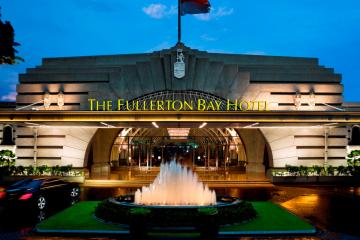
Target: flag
{"x":194,"y":7}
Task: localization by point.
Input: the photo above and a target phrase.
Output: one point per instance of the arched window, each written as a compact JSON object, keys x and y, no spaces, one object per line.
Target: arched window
{"x":7,"y":136}
{"x":181,"y":95}
{"x":355,"y":136}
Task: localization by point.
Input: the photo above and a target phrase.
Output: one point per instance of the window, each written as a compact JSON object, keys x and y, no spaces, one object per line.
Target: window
{"x":355,"y":136}
{"x":7,"y":136}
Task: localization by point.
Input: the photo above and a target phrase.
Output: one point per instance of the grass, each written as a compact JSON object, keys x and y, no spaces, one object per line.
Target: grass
{"x":271,"y":219}
{"x":78,"y":217}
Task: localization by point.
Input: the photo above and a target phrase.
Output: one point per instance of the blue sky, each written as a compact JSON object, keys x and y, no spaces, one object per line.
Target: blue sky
{"x":326,"y":29}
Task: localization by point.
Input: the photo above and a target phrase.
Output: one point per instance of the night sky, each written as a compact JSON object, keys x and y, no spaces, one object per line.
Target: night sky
{"x":326,"y":29}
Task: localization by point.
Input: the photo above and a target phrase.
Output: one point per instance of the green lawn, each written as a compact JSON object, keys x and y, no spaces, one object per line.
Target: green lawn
{"x":271,"y":219}
{"x":78,"y":217}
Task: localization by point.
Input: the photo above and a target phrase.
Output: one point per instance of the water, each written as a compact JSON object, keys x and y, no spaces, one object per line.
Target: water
{"x":176,"y":186}
{"x":334,"y":210}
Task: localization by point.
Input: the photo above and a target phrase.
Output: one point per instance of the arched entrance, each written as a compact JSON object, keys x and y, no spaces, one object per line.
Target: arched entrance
{"x":215,"y":152}
{"x":212,"y":152}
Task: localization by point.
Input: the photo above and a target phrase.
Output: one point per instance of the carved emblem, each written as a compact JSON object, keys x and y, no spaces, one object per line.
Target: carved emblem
{"x":179,"y":65}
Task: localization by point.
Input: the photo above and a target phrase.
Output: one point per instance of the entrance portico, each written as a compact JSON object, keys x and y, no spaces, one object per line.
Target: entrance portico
{"x":242,"y":142}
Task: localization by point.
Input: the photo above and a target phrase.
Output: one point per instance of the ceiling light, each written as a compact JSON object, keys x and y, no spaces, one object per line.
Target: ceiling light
{"x":178,"y":133}
{"x":107,"y":125}
{"x":203,"y":125}
{"x":155,"y":125}
{"x":251,"y":125}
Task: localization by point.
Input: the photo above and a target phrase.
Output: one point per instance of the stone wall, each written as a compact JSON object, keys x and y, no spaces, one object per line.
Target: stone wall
{"x":230,"y":76}
{"x":306,"y":146}
{"x":55,"y":145}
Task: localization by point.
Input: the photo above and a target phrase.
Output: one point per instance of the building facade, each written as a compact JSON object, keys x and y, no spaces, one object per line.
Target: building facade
{"x":299,"y":113}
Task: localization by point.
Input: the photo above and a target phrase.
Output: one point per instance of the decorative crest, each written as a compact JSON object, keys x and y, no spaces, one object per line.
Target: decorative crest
{"x":179,"y":65}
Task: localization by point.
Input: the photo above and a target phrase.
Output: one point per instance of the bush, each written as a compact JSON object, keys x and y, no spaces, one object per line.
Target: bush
{"x":318,"y":170}
{"x":330,"y":170}
{"x":30,"y":170}
{"x":341,"y":171}
{"x":7,"y":158}
{"x":293,"y":170}
{"x":111,"y":211}
{"x":303,"y":171}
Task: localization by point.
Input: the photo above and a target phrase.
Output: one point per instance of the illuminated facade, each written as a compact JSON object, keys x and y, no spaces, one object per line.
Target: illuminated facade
{"x":305,"y":121}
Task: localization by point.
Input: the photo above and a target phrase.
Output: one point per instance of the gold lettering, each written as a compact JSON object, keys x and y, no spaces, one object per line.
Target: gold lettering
{"x":144,"y":105}
{"x":218,"y":105}
{"x":109,"y":105}
{"x":179,"y":103}
{"x":210,"y":106}
{"x":201,"y":105}
{"x":152,"y":105}
{"x":168,"y":102}
{"x":91,"y":100}
{"x":247,"y":105}
{"x":137,"y":105}
{"x":188,"y":106}
{"x":267,"y":106}
{"x":103,"y":105}
{"x":128,"y":104}
{"x":120,"y":103}
{"x":160,"y":105}
{"x":234,"y":105}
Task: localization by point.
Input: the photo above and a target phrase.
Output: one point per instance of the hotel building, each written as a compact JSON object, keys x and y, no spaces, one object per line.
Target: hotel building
{"x":291,"y":111}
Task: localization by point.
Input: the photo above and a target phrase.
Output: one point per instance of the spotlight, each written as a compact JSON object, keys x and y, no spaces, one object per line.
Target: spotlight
{"x":203,"y":125}
{"x":155,"y":125}
{"x":252,"y":125}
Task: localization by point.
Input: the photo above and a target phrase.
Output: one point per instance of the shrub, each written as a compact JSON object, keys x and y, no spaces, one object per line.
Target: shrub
{"x":304,"y":171}
{"x":293,"y":170}
{"x":30,"y":170}
{"x":7,"y":158}
{"x":111,"y":211}
{"x":330,"y":170}
{"x":41,"y":170}
{"x":318,"y":169}
{"x":341,"y":170}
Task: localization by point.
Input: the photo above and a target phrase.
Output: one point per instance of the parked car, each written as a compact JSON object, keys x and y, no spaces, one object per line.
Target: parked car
{"x":39,"y":194}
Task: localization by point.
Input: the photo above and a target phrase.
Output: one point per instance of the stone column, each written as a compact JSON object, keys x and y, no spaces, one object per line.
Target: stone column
{"x":255,"y":147}
{"x":102,"y":144}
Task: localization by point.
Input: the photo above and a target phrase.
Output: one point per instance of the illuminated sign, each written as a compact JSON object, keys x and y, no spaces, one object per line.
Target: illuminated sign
{"x":177,"y":105}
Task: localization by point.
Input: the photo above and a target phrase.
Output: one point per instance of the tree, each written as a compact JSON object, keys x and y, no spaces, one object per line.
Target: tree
{"x":8,"y":44}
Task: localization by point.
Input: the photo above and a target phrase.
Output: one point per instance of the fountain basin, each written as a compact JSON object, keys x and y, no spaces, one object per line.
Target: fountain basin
{"x":227,"y":210}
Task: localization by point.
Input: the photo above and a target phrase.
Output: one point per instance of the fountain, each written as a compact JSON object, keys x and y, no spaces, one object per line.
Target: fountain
{"x":175,"y":186}
{"x":176,"y":198}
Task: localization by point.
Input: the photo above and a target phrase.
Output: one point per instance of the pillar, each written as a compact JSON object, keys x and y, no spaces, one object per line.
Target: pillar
{"x":101,"y":145}
{"x":255,"y":144}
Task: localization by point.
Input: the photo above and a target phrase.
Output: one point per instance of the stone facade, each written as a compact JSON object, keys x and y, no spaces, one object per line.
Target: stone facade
{"x":287,"y":83}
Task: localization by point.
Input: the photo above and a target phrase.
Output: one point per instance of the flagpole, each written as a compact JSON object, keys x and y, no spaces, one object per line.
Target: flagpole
{"x":179,"y":21}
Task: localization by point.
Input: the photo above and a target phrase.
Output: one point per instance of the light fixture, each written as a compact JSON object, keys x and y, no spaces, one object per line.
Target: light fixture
{"x":32,"y":124}
{"x":60,"y":100}
{"x":203,"y":125}
{"x":178,"y":133}
{"x":251,"y":125}
{"x":155,"y":124}
{"x":47,"y":101}
{"x":330,"y":124}
{"x":107,"y":125}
